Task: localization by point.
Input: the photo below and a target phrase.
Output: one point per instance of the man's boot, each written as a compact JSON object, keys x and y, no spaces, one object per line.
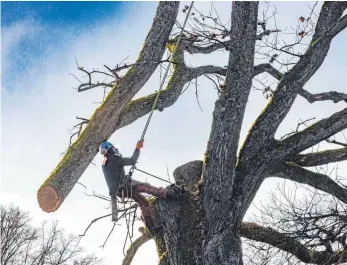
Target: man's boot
{"x":114,"y":209}
{"x":174,"y":192}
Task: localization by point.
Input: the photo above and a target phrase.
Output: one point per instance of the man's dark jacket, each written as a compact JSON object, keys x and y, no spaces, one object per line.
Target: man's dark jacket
{"x":113,"y":169}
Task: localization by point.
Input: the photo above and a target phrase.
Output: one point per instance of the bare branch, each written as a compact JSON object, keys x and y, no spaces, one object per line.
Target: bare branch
{"x":321,"y":158}
{"x":80,"y":128}
{"x":266,"y":67}
{"x":225,"y":45}
{"x":284,"y":242}
{"x":332,"y":95}
{"x":317,"y":180}
{"x":266,"y":33}
{"x":267,"y":123}
{"x":316,"y":133}
{"x":92,"y":222}
{"x":300,"y":123}
{"x":193,"y":49}
{"x":330,"y":141}
{"x":88,"y":86}
{"x":108,"y":236}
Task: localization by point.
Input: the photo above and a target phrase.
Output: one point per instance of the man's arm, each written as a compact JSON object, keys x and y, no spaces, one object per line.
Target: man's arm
{"x":129,"y":161}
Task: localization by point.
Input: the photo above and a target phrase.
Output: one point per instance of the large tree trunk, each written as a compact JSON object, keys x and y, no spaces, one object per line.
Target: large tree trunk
{"x":181,"y":241}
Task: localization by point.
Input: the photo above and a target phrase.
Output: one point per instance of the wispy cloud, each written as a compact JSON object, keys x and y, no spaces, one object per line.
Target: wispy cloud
{"x":13,"y":42}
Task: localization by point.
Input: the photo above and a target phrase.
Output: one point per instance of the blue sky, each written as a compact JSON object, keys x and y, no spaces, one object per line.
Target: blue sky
{"x":54,"y":25}
{"x":79,"y":13}
{"x":39,"y":44}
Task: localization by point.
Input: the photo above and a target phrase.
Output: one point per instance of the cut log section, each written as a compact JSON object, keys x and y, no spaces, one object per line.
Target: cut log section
{"x":105,"y":120}
{"x":48,"y":199}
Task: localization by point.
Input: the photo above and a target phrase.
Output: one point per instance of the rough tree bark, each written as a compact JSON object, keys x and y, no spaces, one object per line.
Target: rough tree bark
{"x":205,"y":226}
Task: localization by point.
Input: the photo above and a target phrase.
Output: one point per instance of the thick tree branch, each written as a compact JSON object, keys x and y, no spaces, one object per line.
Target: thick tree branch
{"x":314,"y":134}
{"x":227,"y":45}
{"x":227,"y":119}
{"x":266,"y":67}
{"x":266,"y":125}
{"x":134,"y":248}
{"x":319,"y":181}
{"x":194,"y":49}
{"x":284,"y":242}
{"x":321,"y":158}
{"x":140,"y":107}
{"x":103,"y":123}
{"x":266,"y":33}
{"x":331,"y":95}
{"x":311,"y":98}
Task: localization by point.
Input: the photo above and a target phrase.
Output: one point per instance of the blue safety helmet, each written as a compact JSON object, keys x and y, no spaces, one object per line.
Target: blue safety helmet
{"x":105,"y":146}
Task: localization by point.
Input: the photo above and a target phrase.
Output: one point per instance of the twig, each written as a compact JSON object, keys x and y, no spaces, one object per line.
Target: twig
{"x":168,"y":174}
{"x":196,"y":94}
{"x":81,"y":184}
{"x":297,"y":127}
{"x":103,"y":245}
{"x":336,"y":142}
{"x":98,"y":196}
{"x":92,"y":222}
{"x":80,"y":127}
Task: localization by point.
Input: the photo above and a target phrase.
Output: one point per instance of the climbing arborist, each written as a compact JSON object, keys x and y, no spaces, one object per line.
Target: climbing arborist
{"x":124,"y":186}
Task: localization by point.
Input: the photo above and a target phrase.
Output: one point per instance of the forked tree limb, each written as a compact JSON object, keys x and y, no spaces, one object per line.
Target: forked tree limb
{"x":181,"y":76}
{"x":284,"y":242}
{"x":266,"y":125}
{"x":103,"y":122}
{"x":311,"y":98}
{"x":255,"y":232}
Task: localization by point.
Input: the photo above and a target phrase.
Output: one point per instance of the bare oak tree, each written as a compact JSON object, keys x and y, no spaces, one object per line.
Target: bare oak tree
{"x":206,"y":225}
{"x":23,"y":244}
{"x":314,"y":227}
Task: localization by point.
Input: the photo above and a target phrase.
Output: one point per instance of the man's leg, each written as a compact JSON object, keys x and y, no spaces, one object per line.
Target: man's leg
{"x":129,"y":191}
{"x":173,"y":193}
{"x":114,"y":209}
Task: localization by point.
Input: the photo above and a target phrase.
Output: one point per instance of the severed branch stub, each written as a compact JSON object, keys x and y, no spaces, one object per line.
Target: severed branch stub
{"x":84,"y":121}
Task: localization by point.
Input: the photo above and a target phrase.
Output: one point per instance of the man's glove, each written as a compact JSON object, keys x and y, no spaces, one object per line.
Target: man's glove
{"x":139,"y":144}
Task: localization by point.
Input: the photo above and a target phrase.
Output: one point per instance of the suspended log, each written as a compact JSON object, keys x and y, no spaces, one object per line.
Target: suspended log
{"x":105,"y":120}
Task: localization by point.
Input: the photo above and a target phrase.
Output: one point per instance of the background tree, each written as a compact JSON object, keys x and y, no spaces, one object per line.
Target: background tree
{"x":206,"y":226}
{"x":21,"y":243}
